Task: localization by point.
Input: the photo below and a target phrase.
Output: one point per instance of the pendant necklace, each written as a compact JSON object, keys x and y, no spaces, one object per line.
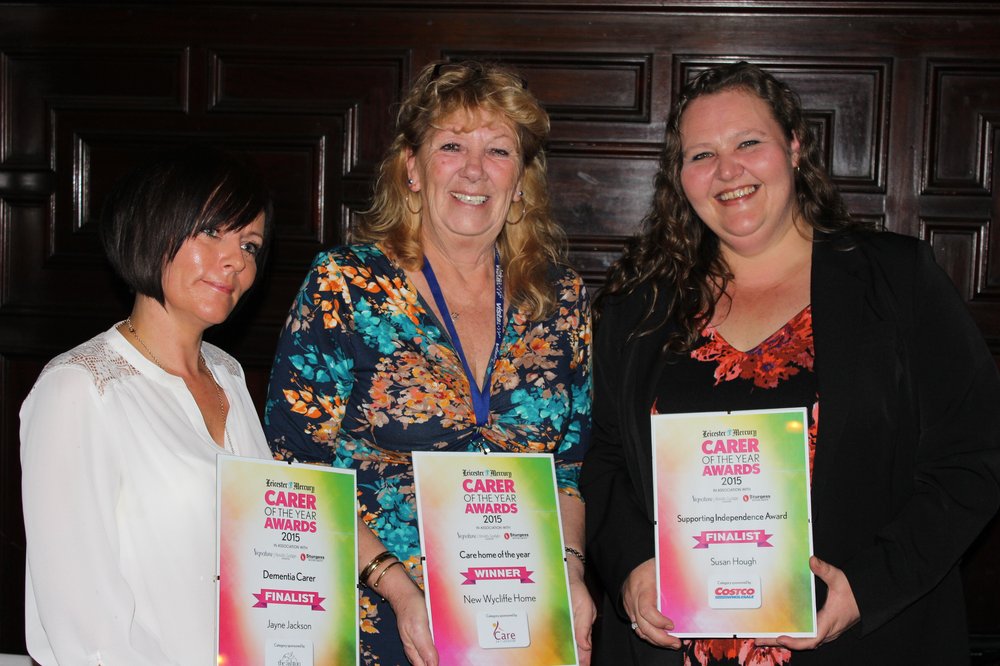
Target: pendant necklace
{"x":228,"y":445}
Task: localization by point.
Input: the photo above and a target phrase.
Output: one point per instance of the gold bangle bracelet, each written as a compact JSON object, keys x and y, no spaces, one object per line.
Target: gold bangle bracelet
{"x":384,"y":572}
{"x":373,"y":565}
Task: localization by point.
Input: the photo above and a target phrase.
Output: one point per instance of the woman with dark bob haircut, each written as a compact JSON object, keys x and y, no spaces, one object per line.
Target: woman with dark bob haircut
{"x":750,"y":287}
{"x":120,"y":435}
{"x":451,"y":324}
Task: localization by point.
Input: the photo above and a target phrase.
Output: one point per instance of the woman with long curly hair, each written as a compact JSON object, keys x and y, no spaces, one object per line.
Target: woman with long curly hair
{"x":750,"y":287}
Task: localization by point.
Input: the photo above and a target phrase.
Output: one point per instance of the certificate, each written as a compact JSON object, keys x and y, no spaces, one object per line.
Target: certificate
{"x":494,"y":570}
{"x":287,"y":590}
{"x":733,"y":523}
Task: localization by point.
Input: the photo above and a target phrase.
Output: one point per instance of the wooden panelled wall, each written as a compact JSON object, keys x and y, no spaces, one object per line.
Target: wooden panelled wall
{"x":904,"y":95}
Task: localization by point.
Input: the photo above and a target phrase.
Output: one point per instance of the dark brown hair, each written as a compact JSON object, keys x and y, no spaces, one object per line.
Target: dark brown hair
{"x":153,"y":209}
{"x":675,"y":253}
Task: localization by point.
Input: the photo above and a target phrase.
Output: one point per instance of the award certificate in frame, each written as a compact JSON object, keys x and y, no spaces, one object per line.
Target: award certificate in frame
{"x":287,"y":591}
{"x":733,"y":523}
{"x":495,"y":575}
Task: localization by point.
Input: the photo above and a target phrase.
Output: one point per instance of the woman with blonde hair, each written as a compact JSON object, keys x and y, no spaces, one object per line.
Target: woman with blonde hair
{"x":452,"y":324}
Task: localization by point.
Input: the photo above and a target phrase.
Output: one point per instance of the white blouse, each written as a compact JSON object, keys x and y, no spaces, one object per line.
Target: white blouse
{"x":118,"y":478}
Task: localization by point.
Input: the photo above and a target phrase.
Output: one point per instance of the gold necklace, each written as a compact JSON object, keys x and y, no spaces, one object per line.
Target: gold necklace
{"x":451,"y":312}
{"x":201,"y":361}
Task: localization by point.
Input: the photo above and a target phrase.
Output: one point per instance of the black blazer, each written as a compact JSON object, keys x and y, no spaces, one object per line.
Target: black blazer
{"x":907,"y":464}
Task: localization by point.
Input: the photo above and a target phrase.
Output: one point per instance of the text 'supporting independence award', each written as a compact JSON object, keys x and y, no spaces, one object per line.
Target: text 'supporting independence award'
{"x":733,"y":524}
{"x":287,"y":564}
{"x":494,"y":573}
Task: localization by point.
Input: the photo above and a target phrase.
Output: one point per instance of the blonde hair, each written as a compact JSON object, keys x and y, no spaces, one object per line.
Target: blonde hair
{"x":527,"y":247}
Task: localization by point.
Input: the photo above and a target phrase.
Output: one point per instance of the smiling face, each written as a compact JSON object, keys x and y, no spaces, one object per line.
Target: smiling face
{"x":210,"y":272}
{"x":738,"y":170}
{"x":466,"y":174}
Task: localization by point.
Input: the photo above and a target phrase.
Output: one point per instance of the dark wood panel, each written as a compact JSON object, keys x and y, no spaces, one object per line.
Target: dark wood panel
{"x":964,"y":111}
{"x":363,"y":86}
{"x":17,"y":374}
{"x":902,"y":93}
{"x":580,"y":176}
{"x":960,"y":248}
{"x":846,"y":103}
{"x":597,"y":87}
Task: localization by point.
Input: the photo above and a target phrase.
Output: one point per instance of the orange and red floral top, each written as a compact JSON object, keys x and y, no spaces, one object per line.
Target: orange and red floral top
{"x":715,"y":376}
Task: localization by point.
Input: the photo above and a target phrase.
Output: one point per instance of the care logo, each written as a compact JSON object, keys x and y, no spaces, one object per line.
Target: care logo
{"x":502,"y":636}
{"x":502,"y":629}
{"x":515,"y":535}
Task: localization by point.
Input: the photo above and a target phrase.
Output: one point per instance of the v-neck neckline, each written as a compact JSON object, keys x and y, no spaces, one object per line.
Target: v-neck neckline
{"x":434,"y":320}
{"x":763,"y":343}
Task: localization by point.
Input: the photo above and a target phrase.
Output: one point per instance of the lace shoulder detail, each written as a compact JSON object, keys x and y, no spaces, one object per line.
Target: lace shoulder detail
{"x":104,"y":364}
{"x":216,"y":356}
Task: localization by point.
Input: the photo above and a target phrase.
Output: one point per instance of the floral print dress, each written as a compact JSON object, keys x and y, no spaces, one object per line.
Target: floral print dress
{"x":777,"y":373}
{"x":364,"y":374}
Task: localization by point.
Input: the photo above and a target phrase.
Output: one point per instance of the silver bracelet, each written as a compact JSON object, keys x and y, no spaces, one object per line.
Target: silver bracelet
{"x":577,"y":554}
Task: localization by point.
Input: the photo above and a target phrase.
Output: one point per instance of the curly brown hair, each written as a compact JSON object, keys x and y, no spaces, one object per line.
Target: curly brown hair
{"x":527,"y":248}
{"x":675,"y":253}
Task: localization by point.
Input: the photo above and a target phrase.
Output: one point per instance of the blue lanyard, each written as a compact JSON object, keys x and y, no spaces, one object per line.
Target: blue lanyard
{"x":480,"y":396}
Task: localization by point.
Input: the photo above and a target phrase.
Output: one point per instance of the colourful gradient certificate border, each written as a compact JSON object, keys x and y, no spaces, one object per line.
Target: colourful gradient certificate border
{"x":287,"y":536}
{"x":494,"y":570}
{"x":733,"y":523}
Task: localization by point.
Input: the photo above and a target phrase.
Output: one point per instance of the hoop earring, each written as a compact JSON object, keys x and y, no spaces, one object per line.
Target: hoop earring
{"x":524,"y":210}
{"x":409,"y":208}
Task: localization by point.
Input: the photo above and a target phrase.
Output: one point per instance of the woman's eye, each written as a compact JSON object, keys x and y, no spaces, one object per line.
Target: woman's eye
{"x":253,"y":249}
{"x":748,"y":143}
{"x":450,"y":147}
{"x":211,"y":232}
{"x":499,"y":152}
{"x":700,"y":156}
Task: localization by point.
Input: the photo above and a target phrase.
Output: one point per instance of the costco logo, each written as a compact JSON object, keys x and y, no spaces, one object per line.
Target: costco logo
{"x":734,"y":592}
